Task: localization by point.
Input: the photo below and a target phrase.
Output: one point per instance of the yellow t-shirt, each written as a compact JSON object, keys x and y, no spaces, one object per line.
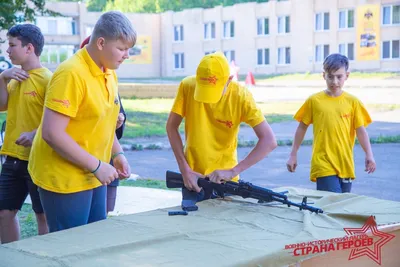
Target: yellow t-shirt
{"x":335,"y":120}
{"x":25,"y":109}
{"x":81,"y":90}
{"x":211,"y":129}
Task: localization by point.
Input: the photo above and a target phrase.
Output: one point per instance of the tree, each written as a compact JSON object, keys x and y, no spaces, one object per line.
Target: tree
{"x":17,"y":11}
{"x":96,"y":5}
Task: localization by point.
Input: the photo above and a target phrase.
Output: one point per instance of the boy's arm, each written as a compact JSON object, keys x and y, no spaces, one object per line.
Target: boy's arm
{"x":298,"y":139}
{"x":3,"y":93}
{"x":266,"y":143}
{"x":189,"y":176}
{"x":363,"y":139}
{"x":13,"y":73}
{"x":55,"y":135}
{"x":119,"y":160}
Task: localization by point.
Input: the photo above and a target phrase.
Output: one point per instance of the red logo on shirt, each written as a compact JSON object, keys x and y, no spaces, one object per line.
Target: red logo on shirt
{"x":211,"y":79}
{"x":228,"y":124}
{"x":65,"y":103}
{"x":344,"y":116}
{"x":32,"y":93}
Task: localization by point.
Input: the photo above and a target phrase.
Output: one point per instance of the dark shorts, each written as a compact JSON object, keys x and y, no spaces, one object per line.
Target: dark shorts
{"x":16,"y":184}
{"x":334,"y":183}
{"x":64,"y":211}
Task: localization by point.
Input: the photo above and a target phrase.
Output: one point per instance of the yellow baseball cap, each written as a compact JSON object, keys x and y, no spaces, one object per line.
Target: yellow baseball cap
{"x":211,"y":76}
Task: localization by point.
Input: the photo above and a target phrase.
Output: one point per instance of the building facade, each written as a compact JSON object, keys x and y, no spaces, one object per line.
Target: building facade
{"x":264,"y":38}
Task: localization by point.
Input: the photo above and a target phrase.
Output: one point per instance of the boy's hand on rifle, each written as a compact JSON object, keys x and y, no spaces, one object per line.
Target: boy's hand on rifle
{"x":190,"y":178}
{"x":219,"y":176}
{"x":291,"y":164}
{"x":370,"y":164}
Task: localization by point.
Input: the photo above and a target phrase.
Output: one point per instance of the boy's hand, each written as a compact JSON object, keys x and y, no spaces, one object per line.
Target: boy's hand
{"x":370,"y":164}
{"x":291,"y":164}
{"x":15,"y":73}
{"x":190,"y":178}
{"x":219,"y":176}
{"x":120,"y":120}
{"x":106,"y":173}
{"x":121,"y":164}
{"x":26,"y":139}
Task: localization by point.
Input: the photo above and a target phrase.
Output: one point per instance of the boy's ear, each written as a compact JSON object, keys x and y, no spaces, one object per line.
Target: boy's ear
{"x":323,"y":75}
{"x":347,"y":74}
{"x":100,"y":42}
{"x":30,"y":48}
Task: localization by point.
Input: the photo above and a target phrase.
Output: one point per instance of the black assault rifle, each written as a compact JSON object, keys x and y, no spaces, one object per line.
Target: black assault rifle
{"x":243,"y":189}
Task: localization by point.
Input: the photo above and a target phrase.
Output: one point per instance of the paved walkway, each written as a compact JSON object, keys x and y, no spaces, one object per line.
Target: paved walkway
{"x":270,"y":172}
{"x":385,"y":124}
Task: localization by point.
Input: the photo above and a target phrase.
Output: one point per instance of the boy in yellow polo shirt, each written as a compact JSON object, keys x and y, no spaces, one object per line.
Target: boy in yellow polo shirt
{"x":214,"y":106}
{"x":338,"y":118}
{"x":22,"y":93}
{"x":76,"y":140}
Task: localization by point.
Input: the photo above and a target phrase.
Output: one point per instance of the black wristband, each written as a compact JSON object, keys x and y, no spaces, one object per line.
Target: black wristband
{"x":98,"y":166}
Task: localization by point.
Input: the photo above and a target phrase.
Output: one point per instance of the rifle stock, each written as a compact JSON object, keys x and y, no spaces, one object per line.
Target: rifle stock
{"x":174,"y":180}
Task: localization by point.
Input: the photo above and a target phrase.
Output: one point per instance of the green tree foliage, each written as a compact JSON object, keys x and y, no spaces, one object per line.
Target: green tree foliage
{"x":156,"y":6}
{"x":17,"y":11}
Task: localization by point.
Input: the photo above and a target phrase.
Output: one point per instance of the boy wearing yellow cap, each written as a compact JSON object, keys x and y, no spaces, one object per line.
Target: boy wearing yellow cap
{"x":214,"y":106}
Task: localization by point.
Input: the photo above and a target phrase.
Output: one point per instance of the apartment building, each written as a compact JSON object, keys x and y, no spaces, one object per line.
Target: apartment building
{"x":264,"y":38}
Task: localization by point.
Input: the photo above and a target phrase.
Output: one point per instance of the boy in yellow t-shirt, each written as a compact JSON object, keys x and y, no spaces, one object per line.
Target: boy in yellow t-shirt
{"x":338,"y":118}
{"x":22,"y":94}
{"x":214,"y":106}
{"x":76,"y":139}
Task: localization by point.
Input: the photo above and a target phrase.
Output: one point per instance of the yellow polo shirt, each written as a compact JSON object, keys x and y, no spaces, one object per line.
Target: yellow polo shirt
{"x":211,"y":129}
{"x":80,"y":90}
{"x":25,"y":109}
{"x":335,"y":120}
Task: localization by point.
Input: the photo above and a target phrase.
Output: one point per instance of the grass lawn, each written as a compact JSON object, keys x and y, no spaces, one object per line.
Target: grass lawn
{"x":27,"y":220}
{"x":147,"y":117}
{"x":271,"y":77}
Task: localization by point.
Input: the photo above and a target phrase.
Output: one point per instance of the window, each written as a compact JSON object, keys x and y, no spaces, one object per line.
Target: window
{"x":284,"y":24}
{"x":209,"y":30}
{"x":391,"y":49}
{"x":346,"y":19}
{"x":391,"y":15}
{"x":52,"y":26}
{"x":229,"y":29}
{"x":263,"y":56}
{"x":230,"y":55}
{"x":178,"y":33}
{"x":57,"y":25}
{"x":89,"y":30}
{"x":321,"y":52}
{"x":179,"y":61}
{"x":322,"y":21}
{"x":347,"y":50}
{"x":284,"y":55}
{"x":263,"y":26}
{"x":55,"y":54}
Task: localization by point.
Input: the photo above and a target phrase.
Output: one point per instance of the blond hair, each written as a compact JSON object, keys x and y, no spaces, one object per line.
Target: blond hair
{"x":114,"y":25}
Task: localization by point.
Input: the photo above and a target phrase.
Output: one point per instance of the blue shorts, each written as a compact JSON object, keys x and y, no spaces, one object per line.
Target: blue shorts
{"x":64,"y":211}
{"x":334,"y":183}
